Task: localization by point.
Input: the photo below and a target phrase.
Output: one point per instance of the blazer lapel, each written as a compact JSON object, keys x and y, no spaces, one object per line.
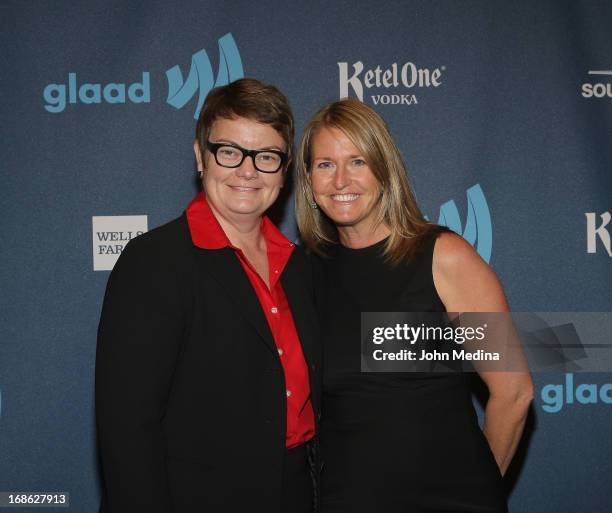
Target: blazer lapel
{"x":223,"y":266}
{"x":302,"y":308}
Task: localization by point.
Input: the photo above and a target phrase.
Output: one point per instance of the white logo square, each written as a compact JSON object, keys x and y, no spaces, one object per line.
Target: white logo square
{"x":110,"y":235}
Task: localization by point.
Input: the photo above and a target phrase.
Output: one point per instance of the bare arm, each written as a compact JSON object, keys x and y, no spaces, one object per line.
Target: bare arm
{"x":465,"y":283}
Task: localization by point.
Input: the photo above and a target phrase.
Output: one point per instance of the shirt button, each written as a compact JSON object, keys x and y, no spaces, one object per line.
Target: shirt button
{"x":274,"y":310}
{"x":280,"y":352}
{"x":288,"y":393}
{"x":275,"y":271}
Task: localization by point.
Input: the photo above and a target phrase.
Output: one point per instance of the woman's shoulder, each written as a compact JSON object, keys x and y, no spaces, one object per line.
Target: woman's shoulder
{"x":464,"y":281}
{"x":171,"y":235}
{"x":162,"y":248}
{"x":152,"y":271}
{"x":452,"y":252}
{"x":454,"y":260}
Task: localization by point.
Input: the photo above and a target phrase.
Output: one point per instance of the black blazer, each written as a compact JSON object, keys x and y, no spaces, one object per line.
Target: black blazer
{"x":190,"y":392}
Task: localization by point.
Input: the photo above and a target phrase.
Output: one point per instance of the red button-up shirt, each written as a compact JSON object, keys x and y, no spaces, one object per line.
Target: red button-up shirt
{"x":207,"y":233}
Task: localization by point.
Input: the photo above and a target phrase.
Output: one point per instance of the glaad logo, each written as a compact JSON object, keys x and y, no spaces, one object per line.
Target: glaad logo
{"x":600,"y":89}
{"x":110,"y":236}
{"x":55,"y":94}
{"x":200,"y":76}
{"x":200,"y":79}
{"x":408,"y":77}
{"x":594,"y":231}
{"x":555,"y":396}
{"x":478,"y":229}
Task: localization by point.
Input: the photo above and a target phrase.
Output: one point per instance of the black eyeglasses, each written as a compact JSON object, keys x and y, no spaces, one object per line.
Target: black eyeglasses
{"x":230,"y":155}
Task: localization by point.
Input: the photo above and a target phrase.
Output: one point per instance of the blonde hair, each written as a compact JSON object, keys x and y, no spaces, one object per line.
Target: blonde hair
{"x":397,"y":207}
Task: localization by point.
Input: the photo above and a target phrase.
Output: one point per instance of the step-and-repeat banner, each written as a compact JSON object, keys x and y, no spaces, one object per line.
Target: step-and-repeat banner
{"x":502,"y":110}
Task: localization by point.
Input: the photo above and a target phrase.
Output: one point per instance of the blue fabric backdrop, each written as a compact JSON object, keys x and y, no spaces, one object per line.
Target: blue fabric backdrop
{"x":502,"y":110}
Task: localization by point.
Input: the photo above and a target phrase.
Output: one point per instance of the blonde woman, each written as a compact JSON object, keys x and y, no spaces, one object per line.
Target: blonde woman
{"x":396,"y":442}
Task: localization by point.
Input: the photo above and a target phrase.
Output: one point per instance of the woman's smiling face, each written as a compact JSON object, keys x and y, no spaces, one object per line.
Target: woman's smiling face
{"x":241,"y":191}
{"x":343,"y":184}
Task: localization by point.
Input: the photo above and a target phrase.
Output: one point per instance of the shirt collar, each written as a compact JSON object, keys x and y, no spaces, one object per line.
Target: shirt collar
{"x":207,"y":233}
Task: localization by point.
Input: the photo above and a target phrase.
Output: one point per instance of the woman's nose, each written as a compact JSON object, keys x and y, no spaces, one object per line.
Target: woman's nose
{"x":341,"y":178}
{"x":247,"y":168}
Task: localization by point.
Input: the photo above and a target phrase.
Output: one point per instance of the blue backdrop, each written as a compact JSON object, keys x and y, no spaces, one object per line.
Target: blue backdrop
{"x":503,"y":111}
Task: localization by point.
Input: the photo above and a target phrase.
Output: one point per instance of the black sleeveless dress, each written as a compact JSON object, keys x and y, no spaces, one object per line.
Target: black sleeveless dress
{"x":394,"y":442}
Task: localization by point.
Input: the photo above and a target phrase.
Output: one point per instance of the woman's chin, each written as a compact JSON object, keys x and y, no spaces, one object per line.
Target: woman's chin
{"x":246,"y":207}
{"x":344,"y":222}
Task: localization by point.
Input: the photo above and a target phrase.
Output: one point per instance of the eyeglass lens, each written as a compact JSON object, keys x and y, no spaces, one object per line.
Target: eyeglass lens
{"x":264,"y":160}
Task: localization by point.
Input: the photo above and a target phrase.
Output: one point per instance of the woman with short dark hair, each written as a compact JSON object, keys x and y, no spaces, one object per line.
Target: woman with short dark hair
{"x":207,"y":359}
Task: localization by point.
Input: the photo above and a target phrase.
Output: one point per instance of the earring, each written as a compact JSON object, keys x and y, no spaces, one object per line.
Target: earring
{"x":200,"y":174}
{"x":313,"y":205}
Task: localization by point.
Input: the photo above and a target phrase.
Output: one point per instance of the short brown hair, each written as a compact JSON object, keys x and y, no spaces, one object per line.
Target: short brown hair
{"x":247,"y":98}
{"x":397,"y":207}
